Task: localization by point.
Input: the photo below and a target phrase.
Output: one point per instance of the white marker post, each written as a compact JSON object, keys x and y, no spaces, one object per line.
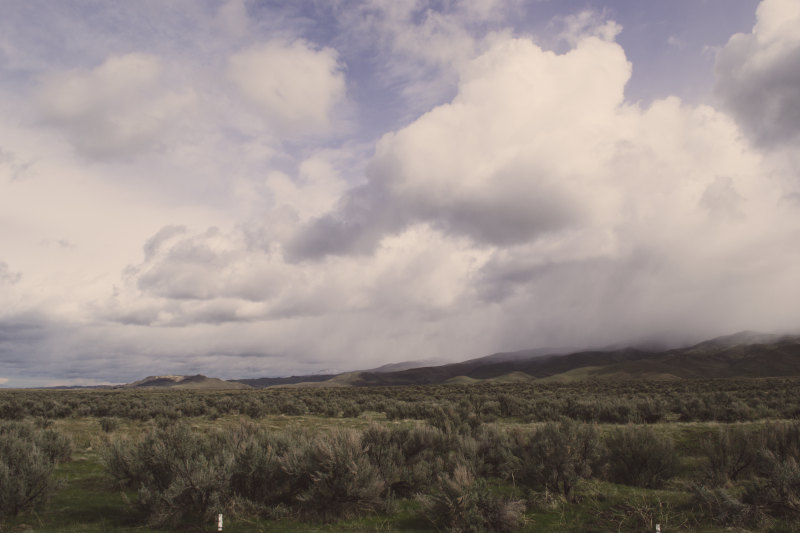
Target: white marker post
{"x":658,"y":527}
{"x":219,"y":522}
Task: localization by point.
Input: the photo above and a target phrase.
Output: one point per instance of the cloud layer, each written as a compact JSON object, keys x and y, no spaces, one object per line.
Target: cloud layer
{"x":327,"y":188}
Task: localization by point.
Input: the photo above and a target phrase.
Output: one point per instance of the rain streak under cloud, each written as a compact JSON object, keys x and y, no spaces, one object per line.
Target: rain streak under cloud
{"x":246,"y":189}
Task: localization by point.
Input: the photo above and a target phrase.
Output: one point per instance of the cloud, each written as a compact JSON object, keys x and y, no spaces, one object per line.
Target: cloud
{"x":16,"y":169}
{"x":588,"y":23}
{"x":758,"y":75}
{"x":295,"y":86}
{"x":195,"y":268}
{"x":414,"y":50}
{"x":494,"y":195}
{"x":154,"y":243}
{"x":7,"y":276}
{"x":495,"y":164}
{"x":120,"y":108}
{"x":590,"y":219}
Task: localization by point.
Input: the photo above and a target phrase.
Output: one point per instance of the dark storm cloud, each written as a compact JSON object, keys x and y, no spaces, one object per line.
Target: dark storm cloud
{"x":368,"y":213}
{"x":503,"y":278}
{"x":20,"y":330}
{"x":23,"y":341}
{"x":355,"y":227}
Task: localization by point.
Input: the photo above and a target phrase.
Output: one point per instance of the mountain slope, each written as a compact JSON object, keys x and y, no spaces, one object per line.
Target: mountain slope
{"x":185,"y":382}
{"x":261,"y":383}
{"x":744,"y":354}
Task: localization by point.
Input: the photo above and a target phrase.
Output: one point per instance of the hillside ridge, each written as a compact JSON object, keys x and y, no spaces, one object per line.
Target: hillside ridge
{"x":742,"y":354}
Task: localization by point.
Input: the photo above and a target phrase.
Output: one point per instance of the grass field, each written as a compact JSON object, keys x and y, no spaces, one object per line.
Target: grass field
{"x":89,"y":499}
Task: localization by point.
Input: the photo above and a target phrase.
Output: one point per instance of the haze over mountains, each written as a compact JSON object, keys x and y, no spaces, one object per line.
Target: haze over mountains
{"x":744,"y":354}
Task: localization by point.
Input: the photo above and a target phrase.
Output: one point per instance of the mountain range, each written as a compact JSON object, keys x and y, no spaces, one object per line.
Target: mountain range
{"x":744,"y":354}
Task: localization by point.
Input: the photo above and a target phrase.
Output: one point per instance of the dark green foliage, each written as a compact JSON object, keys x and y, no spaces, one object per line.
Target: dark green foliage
{"x":28,"y":457}
{"x":782,"y":439}
{"x":510,"y":405}
{"x":464,"y":504}
{"x":731,"y":454}
{"x":109,"y":424}
{"x":778,"y":487}
{"x":638,"y":456}
{"x":556,"y":456}
{"x":718,"y":506}
{"x":650,"y":411}
{"x":11,"y":409}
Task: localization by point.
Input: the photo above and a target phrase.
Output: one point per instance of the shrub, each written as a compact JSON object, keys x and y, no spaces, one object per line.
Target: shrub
{"x":108,"y":424}
{"x":27,"y":460}
{"x":466,"y":505}
{"x":56,"y":446}
{"x":717,"y":505}
{"x":493,"y":457}
{"x":293,"y":407}
{"x":556,"y":456}
{"x":12,"y":410}
{"x":782,"y":439}
{"x":731,"y":454}
{"x":42,"y":422}
{"x":384,"y":448}
{"x":511,"y":405}
{"x":179,"y":473}
{"x":779,"y":486}
{"x":651,"y":411}
{"x":258,"y":472}
{"x":638,"y":456}
{"x":334,"y":477}
{"x":410,"y":460}
{"x":121,"y":459}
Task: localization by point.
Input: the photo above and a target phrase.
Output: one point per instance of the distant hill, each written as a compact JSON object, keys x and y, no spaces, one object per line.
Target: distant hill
{"x":744,"y":354}
{"x":261,"y":383}
{"x":184,"y":382}
{"x":498,"y":365}
{"x":405,"y":365}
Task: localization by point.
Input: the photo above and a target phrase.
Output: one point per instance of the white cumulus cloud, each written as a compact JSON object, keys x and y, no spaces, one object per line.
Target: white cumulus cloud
{"x":116,"y":109}
{"x":296,"y":86}
{"x":758,"y":74}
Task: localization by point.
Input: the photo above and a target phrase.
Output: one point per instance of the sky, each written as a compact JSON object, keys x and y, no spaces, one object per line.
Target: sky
{"x":261,"y":188}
